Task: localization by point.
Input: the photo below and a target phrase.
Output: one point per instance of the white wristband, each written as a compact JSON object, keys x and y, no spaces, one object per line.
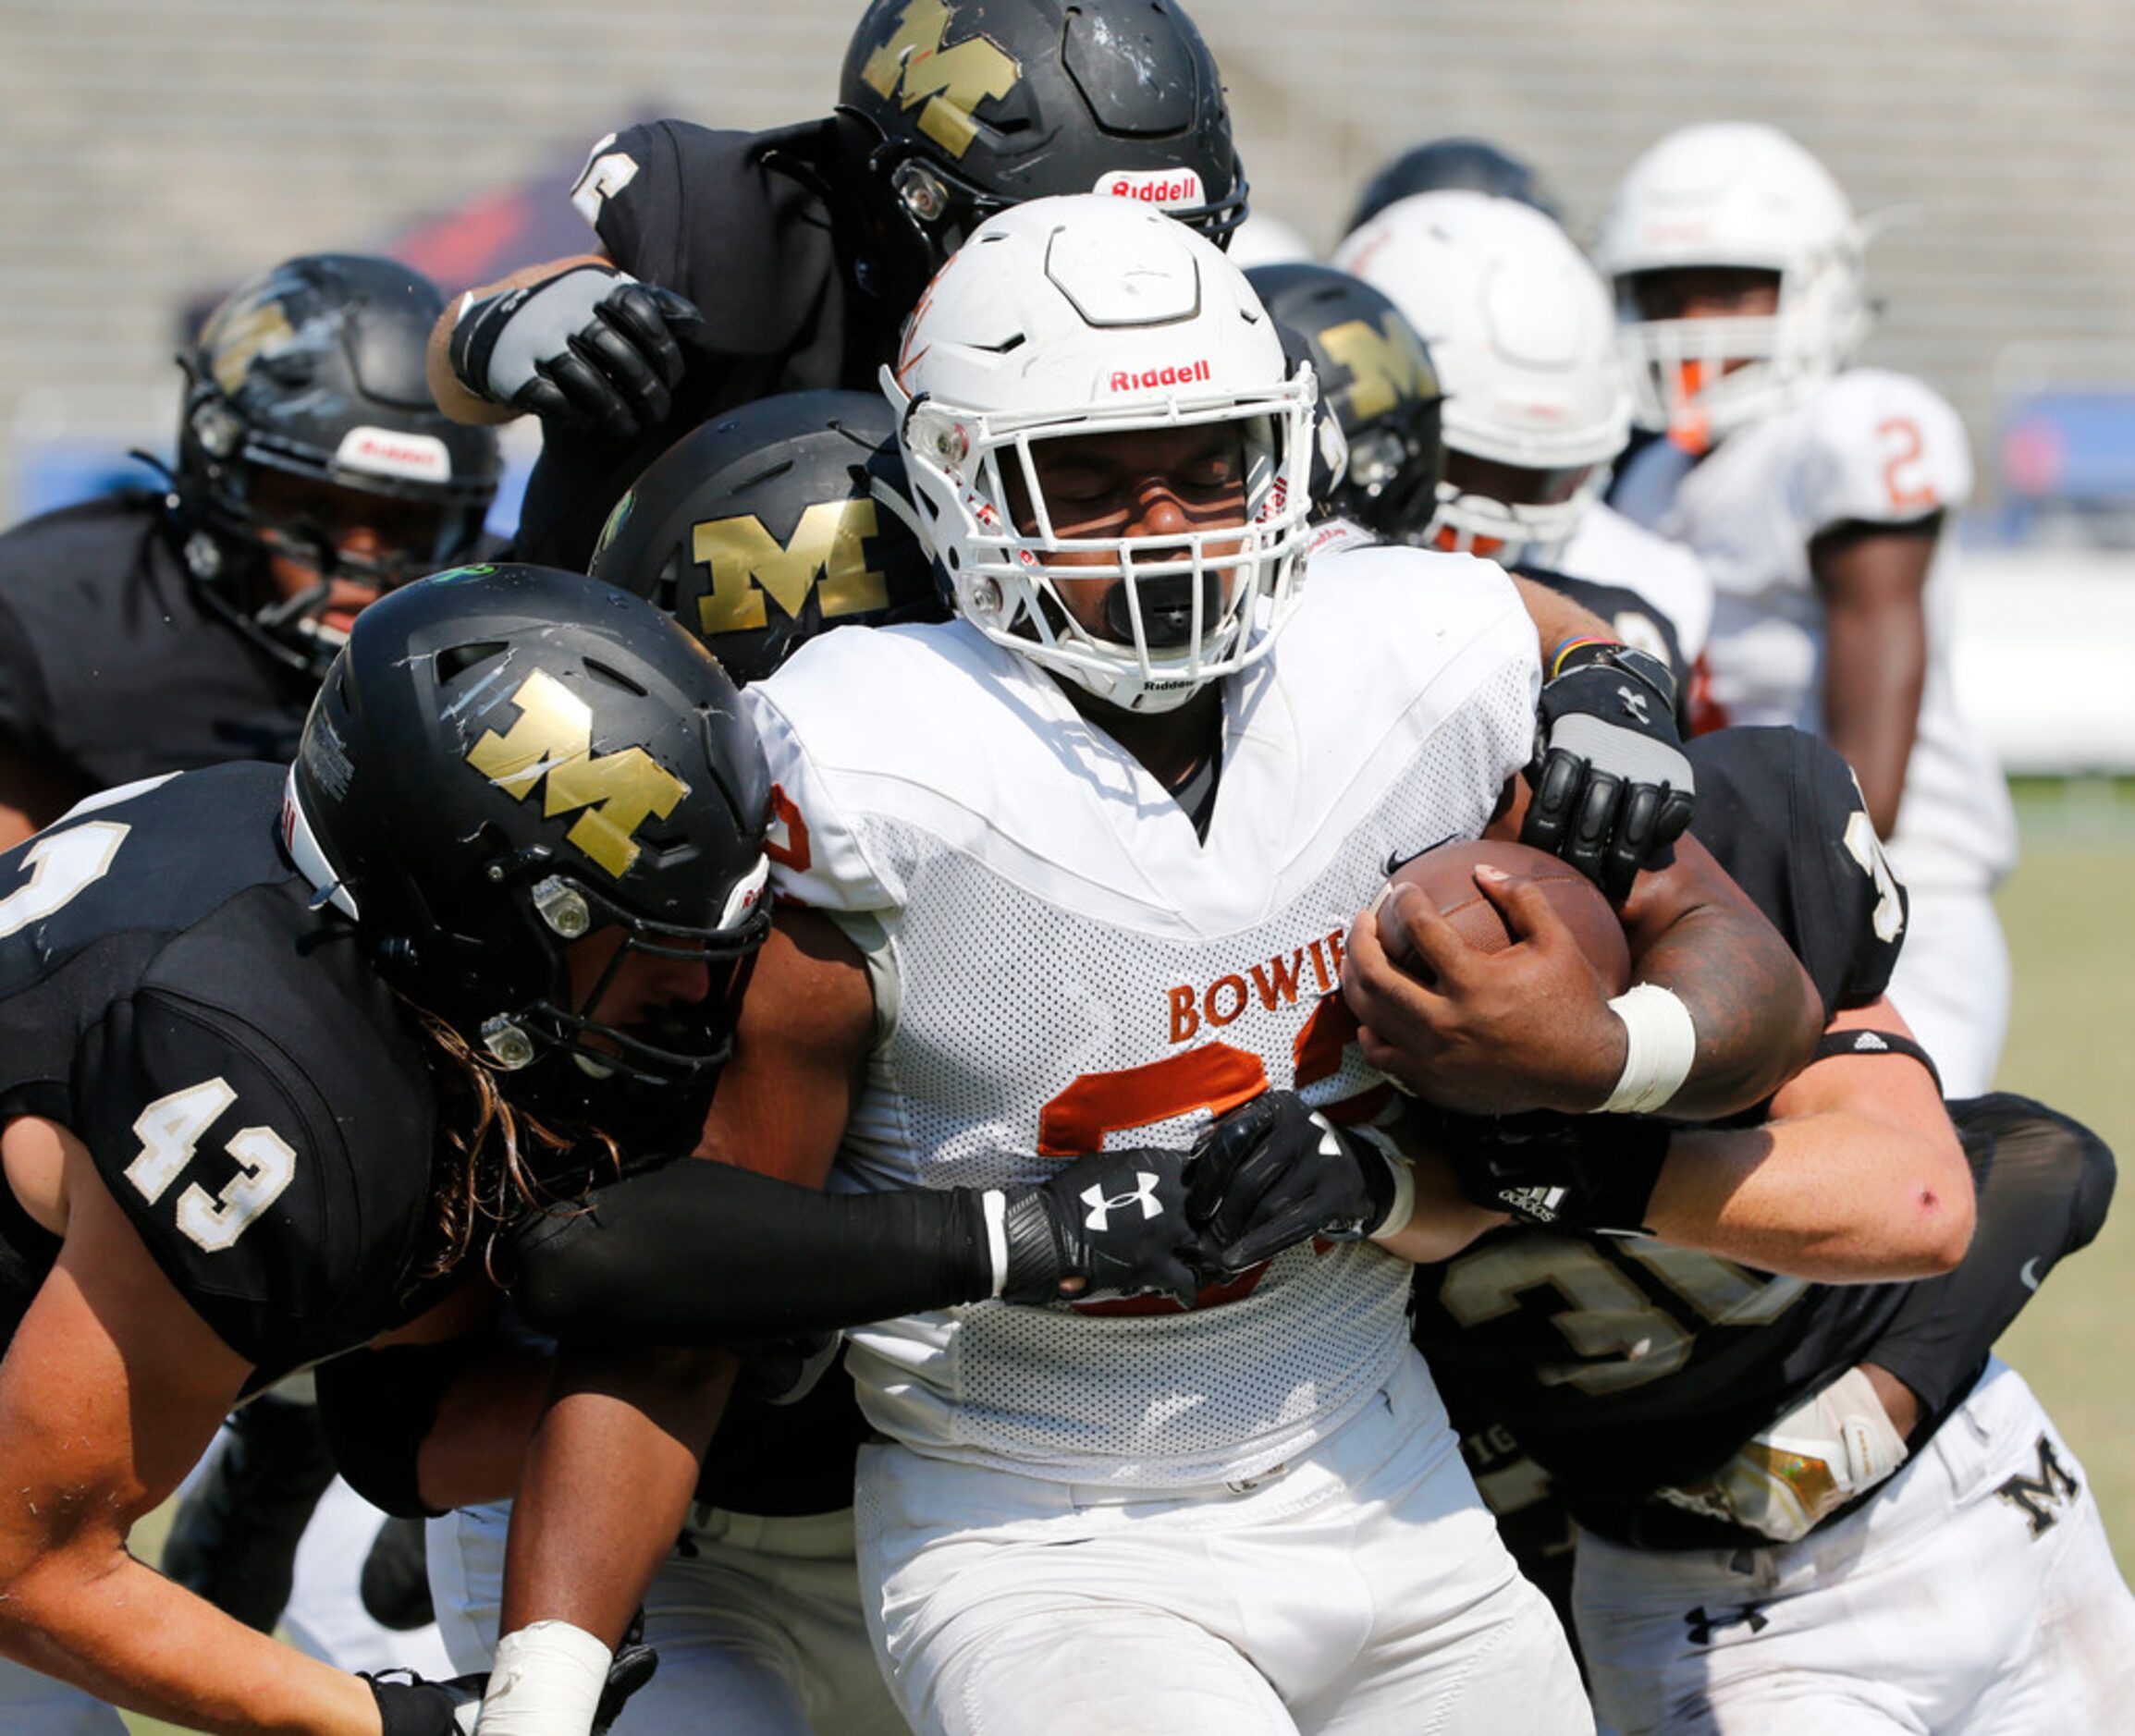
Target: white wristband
{"x":1403,"y":1206}
{"x":546,"y":1682}
{"x":1661,"y":1047}
{"x":993,"y":1205}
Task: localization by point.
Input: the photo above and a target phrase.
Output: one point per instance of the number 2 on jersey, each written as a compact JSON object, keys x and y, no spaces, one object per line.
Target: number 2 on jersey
{"x":1901,"y":438}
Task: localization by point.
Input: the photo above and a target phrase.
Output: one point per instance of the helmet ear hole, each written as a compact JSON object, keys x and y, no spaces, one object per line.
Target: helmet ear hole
{"x":456,"y":660}
{"x":608,"y":673}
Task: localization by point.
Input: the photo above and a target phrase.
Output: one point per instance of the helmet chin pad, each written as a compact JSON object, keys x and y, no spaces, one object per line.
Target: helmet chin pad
{"x":1167,"y":608}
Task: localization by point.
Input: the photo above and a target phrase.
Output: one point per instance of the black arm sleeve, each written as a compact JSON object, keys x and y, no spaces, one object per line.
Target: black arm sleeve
{"x":2044,"y":1181}
{"x":703,"y":1253}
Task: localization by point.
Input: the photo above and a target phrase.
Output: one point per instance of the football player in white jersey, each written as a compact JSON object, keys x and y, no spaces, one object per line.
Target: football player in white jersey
{"x":1073,"y":870}
{"x":1519,"y":329}
{"x":1816,"y":493}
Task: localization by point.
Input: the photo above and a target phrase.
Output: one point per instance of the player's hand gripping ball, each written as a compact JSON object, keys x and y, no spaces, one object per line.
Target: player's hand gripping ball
{"x":1446,"y":877}
{"x":1488,"y":996}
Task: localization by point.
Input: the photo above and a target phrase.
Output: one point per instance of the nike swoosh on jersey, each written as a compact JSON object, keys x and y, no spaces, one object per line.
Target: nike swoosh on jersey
{"x":2031,"y":1279}
{"x":1395,"y":861}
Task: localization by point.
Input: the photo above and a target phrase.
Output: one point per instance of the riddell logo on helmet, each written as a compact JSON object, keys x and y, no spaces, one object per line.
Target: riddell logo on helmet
{"x":420,"y":458}
{"x":1164,"y":187}
{"x":1152,"y":379}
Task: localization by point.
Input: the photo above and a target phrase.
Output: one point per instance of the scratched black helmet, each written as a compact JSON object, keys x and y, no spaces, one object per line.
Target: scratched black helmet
{"x":773,"y":523}
{"x":305,"y":402}
{"x":1474,"y":164}
{"x":1377,"y":380}
{"x":507,"y":760}
{"x":952,"y":109}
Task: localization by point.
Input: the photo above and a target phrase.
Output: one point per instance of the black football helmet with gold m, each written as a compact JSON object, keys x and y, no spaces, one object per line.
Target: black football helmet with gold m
{"x":1377,"y":380}
{"x":507,"y":760}
{"x":312,"y":371}
{"x":773,"y":523}
{"x":951,"y":109}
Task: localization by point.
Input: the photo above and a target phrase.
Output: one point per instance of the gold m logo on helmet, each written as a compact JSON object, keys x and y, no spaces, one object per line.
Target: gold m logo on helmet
{"x":827,"y":555}
{"x":1385,"y":363}
{"x":238,"y":338}
{"x":552,"y":745}
{"x":912,"y":67}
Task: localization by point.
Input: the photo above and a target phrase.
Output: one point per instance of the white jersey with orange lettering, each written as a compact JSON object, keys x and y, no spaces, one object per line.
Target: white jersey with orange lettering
{"x":1062,"y":962}
{"x":1871,"y":448}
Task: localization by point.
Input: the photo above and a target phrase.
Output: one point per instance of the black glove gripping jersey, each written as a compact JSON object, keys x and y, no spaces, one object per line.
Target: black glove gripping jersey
{"x":1626,"y":1366}
{"x":110,"y":664}
{"x":254,"y":1098}
{"x":740,"y":224}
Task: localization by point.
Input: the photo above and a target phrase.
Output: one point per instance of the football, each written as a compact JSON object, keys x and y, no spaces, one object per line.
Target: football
{"x":1446,"y":876}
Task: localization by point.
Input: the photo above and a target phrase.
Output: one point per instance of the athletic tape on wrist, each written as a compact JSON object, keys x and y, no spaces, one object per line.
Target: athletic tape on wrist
{"x":1661,"y":1047}
{"x":993,"y":1207}
{"x":546,"y":1682}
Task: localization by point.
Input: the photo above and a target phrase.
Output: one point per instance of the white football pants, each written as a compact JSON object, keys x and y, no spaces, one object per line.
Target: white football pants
{"x":756,"y":1621}
{"x":1952,"y":985}
{"x":1361,"y":1590}
{"x":1976,"y":1596}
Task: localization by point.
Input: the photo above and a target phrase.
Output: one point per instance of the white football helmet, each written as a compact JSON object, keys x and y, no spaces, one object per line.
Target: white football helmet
{"x":1087,"y":316}
{"x":1733,"y":194}
{"x":1519,"y":326}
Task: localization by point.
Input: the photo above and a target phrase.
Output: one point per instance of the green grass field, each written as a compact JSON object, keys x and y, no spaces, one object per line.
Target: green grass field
{"x":2070,"y":1034}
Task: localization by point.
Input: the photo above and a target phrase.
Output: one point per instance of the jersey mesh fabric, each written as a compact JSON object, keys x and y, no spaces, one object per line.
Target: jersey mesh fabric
{"x":1025,"y":977}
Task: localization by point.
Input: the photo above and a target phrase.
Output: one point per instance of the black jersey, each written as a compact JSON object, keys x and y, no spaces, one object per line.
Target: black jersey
{"x":742,"y":224}
{"x":1627,"y":1366}
{"x":254,"y":1097}
{"x":110,"y":664}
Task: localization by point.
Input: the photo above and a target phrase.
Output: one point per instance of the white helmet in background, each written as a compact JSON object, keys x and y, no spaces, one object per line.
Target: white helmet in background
{"x":1732,"y":195}
{"x":1520,"y":328}
{"x":1087,"y":316}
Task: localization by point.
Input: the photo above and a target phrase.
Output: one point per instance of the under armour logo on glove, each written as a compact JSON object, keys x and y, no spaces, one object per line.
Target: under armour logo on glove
{"x":1077,"y":1234}
{"x":1103,"y":1205}
{"x":1611,"y":786}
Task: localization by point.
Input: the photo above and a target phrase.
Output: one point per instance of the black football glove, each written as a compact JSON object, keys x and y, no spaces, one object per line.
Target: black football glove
{"x":410,"y":1704}
{"x":1115,"y":1219}
{"x":591,"y":346}
{"x":1587,"y":1173}
{"x":1611,"y":786}
{"x":1272,"y":1174}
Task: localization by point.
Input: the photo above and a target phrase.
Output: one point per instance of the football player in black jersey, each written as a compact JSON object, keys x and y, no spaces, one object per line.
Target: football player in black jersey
{"x":767,"y":525}
{"x":284,"y":1047}
{"x":1751,"y":1458}
{"x":733,"y":266}
{"x":159,"y":630}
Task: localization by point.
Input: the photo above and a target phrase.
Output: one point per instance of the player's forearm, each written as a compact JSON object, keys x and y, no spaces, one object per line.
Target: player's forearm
{"x":1557,"y":617}
{"x":1445,"y":1221}
{"x":124,"y":1633}
{"x":1755,"y":1011}
{"x":1875,"y":670}
{"x":1835,"y":1197}
{"x":606,"y":1484}
{"x":701,"y":1253}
